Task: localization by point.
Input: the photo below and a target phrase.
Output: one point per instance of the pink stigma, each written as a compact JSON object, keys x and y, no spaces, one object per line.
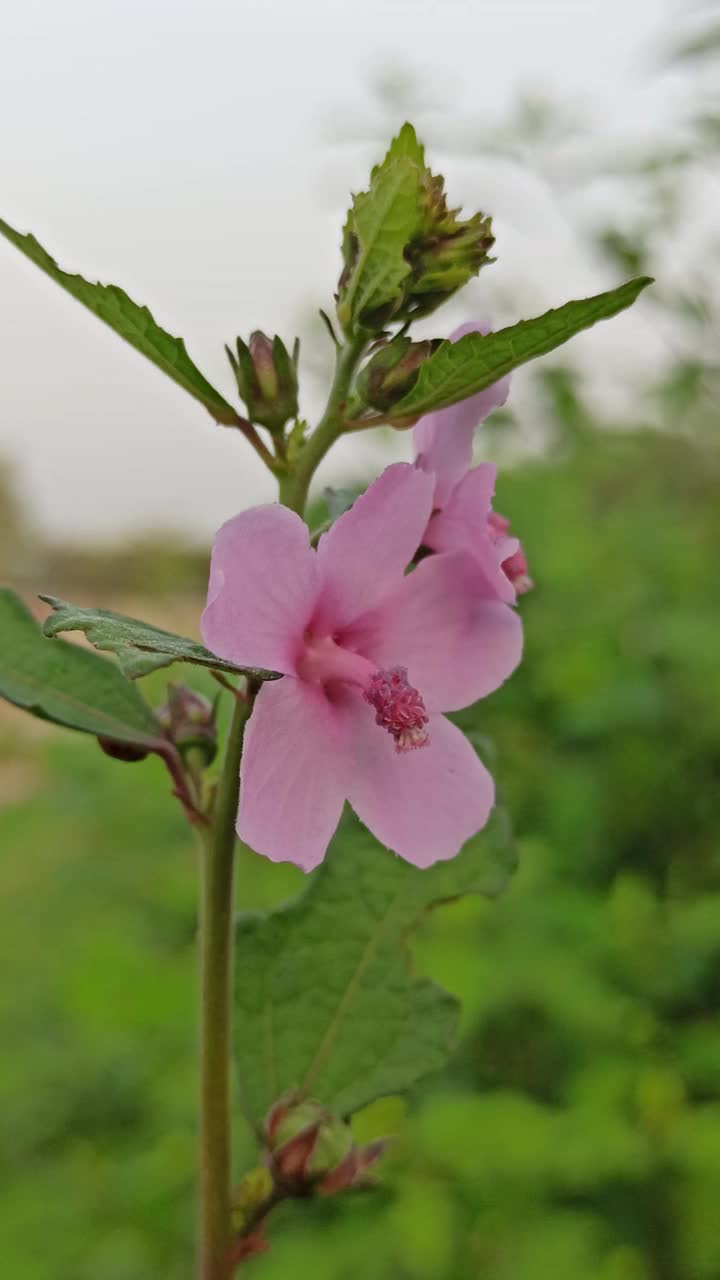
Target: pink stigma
{"x":516,"y":569}
{"x":399,"y":708}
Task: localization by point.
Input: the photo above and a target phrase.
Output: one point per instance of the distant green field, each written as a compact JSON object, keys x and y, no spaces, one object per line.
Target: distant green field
{"x":576,"y":1135}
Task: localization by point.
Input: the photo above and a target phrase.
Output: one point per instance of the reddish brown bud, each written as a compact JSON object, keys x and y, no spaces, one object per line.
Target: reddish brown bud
{"x":188,"y":719}
{"x":310,"y":1150}
{"x":353,"y":1170}
{"x":275,"y":1117}
{"x":292,"y":1159}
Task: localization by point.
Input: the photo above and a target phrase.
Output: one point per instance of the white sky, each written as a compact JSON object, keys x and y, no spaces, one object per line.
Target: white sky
{"x":200,"y":155}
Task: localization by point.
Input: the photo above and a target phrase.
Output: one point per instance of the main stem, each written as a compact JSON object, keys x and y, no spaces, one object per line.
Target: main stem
{"x":295,"y":484}
{"x":216,"y":908}
{"x":216,"y":958}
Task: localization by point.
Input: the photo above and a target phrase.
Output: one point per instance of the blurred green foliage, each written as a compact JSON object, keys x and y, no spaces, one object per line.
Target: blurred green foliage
{"x":577,"y":1132}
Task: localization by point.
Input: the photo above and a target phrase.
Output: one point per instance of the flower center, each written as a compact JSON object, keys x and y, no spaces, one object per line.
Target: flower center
{"x":399,"y":707}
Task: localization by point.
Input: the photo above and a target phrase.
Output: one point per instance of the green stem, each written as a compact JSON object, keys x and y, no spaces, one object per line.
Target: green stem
{"x":216,"y":909}
{"x":295,"y":484}
{"x":258,"y":445}
{"x":216,"y":951}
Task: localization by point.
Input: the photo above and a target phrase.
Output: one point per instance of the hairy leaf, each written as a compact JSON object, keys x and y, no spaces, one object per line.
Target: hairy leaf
{"x":133,"y":323}
{"x":60,"y":682}
{"x":459,"y":369}
{"x":326,"y":1002}
{"x":140,"y":646}
{"x":380,"y":224}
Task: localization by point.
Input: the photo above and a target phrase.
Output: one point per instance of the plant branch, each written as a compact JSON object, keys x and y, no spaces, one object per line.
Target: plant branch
{"x":216,"y":947}
{"x":295,"y":485}
{"x":258,"y":445}
{"x":175,"y":767}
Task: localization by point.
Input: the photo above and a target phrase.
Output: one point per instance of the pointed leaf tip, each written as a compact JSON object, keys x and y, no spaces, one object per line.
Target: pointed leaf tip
{"x":460,"y":369}
{"x":132,"y":322}
{"x":140,"y":646}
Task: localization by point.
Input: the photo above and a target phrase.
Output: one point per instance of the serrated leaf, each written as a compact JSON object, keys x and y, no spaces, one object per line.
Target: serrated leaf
{"x":325,"y":999}
{"x":383,"y":221}
{"x":460,"y":369}
{"x":140,"y":646}
{"x":132,"y":322}
{"x":60,"y":682}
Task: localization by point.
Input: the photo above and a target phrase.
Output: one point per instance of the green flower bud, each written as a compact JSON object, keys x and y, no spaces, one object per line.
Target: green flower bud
{"x":309,"y":1150}
{"x":389,"y":374}
{"x":305,"y":1142}
{"x":450,"y":261}
{"x":404,"y":252}
{"x":267,"y":379}
{"x":189,"y":721}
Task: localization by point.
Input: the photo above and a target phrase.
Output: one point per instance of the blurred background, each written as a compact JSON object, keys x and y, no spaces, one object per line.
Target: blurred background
{"x":202,"y":160}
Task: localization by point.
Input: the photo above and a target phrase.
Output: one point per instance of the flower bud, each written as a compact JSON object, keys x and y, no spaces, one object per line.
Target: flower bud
{"x":390,"y":374}
{"x":188,"y":719}
{"x":447,"y":261}
{"x":431,"y":252}
{"x":267,"y":379}
{"x":353,"y":1170}
{"x":306,"y":1143}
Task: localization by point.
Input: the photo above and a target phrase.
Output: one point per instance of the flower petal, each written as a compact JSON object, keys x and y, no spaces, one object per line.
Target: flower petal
{"x":293,"y":777}
{"x":443,"y":440}
{"x":422,"y":804}
{"x":365,"y":553}
{"x":263,"y":588}
{"x":470,"y":326}
{"x":456,"y":644}
{"x":463,"y":526}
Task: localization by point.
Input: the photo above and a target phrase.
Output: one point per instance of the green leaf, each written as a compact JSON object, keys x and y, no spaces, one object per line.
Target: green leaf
{"x":140,"y":646}
{"x":381,"y":223}
{"x":60,"y":682}
{"x":325,"y":999}
{"x":460,"y":369}
{"x":405,"y":143}
{"x":339,"y":501}
{"x":133,"y":323}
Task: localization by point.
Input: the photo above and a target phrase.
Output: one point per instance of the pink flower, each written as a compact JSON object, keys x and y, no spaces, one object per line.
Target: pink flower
{"x":371,"y":658}
{"x":463,"y":519}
